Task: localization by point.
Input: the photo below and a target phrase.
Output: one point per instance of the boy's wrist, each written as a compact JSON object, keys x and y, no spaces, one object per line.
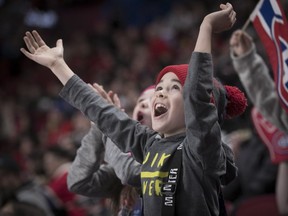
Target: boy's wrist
{"x":57,"y":64}
{"x":203,"y":43}
{"x":206,"y":26}
{"x":61,"y":70}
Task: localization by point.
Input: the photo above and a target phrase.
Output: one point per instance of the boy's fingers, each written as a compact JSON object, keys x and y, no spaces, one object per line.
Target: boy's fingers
{"x":229,"y":6}
{"x":26,"y":53}
{"x":117,"y":101}
{"x":38,"y":38}
{"x":29,"y":45}
{"x":111,"y":93}
{"x":233,"y":15}
{"x":222,"y":6}
{"x":95,"y":89}
{"x":96,"y":86}
{"x":59,"y":43}
{"x":109,"y":96}
{"x":32,"y":40}
{"x":100,"y":90}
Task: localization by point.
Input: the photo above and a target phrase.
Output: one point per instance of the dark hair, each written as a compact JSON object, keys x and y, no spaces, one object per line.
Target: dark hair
{"x":126,"y":192}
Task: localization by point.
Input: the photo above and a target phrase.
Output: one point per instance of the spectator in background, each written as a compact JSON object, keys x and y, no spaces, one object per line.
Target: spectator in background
{"x":57,"y":162}
{"x":118,"y":180}
{"x":256,"y":173}
{"x":21,"y":208}
{"x":259,"y":85}
{"x":15,"y":187}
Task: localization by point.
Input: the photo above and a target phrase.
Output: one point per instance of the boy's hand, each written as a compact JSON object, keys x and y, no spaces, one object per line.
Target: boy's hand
{"x":240,"y":42}
{"x":221,"y":20}
{"x":39,"y":52}
{"x":110,"y":96}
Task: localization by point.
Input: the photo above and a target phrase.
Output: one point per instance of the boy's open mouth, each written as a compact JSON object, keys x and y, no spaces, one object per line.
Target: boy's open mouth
{"x":140,"y":116}
{"x":159,"y":109}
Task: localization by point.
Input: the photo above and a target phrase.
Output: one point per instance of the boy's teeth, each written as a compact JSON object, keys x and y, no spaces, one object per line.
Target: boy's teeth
{"x":160,"y":109}
{"x":157,"y":106}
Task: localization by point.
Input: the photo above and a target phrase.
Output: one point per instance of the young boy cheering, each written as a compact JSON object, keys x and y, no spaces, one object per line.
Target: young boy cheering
{"x":187,"y":125}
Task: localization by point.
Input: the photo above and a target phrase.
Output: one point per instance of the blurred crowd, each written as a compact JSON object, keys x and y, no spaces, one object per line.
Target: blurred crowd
{"x":120,"y":44}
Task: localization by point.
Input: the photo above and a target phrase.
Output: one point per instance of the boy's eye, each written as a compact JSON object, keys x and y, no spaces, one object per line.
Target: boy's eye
{"x":158,"y":88}
{"x":175,"y":87}
{"x":140,"y":100}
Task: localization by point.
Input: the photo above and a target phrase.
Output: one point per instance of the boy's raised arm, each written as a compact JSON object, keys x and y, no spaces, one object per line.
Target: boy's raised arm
{"x":197,"y":95}
{"x":52,"y":58}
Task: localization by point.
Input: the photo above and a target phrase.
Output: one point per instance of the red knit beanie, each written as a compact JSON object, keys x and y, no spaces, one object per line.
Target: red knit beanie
{"x":179,"y":70}
{"x":230,"y":100}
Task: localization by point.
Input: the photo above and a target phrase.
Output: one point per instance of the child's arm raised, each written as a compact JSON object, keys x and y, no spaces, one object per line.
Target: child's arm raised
{"x":76,"y":92}
{"x":201,"y":115}
{"x":51,"y":58}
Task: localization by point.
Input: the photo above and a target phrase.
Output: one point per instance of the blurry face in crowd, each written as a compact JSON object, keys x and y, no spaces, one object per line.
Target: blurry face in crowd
{"x":168,"y":106}
{"x":8,"y":182}
{"x":51,"y":163}
{"x":142,"y":110}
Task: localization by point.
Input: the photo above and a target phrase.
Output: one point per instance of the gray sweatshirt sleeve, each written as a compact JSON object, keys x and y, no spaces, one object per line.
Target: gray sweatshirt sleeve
{"x":260,"y":87}
{"x":88,"y":175}
{"x":125,"y":166}
{"x":126,"y":133}
{"x":203,"y":130}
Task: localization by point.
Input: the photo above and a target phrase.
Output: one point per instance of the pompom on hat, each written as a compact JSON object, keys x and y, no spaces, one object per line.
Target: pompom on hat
{"x":230,"y":100}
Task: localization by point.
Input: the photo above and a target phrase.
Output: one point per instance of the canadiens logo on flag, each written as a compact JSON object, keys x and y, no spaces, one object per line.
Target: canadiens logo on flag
{"x":275,"y":139}
{"x":271,"y":25}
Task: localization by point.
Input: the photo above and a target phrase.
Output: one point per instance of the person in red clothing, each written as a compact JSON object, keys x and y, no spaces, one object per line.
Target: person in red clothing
{"x":57,"y":162}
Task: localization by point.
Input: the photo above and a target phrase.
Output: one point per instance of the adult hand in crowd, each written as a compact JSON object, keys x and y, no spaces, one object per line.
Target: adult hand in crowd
{"x":240,"y":42}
